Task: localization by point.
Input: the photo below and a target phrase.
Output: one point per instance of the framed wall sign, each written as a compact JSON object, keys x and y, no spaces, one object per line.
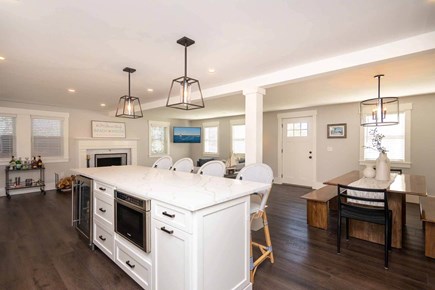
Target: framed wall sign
{"x":102,"y":129}
{"x":337,"y":130}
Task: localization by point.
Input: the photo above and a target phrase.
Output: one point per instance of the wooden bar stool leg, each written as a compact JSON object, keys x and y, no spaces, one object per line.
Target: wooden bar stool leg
{"x":267,"y":237}
{"x":251,"y":263}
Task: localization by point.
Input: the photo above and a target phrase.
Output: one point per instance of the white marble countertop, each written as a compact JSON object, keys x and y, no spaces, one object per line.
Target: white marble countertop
{"x":186,"y":190}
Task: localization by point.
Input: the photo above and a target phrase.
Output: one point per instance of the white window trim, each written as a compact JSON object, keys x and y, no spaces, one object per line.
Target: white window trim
{"x":158,"y":124}
{"x":207,"y":125}
{"x":232,"y":123}
{"x":24,"y":132}
{"x":406,"y":108}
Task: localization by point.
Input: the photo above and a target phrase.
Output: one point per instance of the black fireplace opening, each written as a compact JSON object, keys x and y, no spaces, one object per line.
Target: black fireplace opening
{"x":117,"y":159}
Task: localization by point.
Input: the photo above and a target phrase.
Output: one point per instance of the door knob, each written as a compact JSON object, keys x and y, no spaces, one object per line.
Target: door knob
{"x":310,"y":157}
{"x":310,"y":152}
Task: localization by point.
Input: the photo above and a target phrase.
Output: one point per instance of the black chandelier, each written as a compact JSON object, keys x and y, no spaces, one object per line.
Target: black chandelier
{"x":186,"y":96}
{"x":129,"y":106}
{"x":379,"y":111}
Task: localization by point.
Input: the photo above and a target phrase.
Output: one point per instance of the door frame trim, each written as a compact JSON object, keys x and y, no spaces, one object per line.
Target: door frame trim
{"x":300,"y":114}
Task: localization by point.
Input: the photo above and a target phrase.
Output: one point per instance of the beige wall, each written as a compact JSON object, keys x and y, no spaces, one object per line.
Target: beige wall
{"x":345,"y":154}
{"x":224,"y":139}
{"x":80,"y":126}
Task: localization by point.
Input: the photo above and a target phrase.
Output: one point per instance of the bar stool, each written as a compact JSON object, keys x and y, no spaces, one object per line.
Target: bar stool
{"x":183,"y":165}
{"x":213,"y":168}
{"x":259,"y":172}
{"x":164,"y":162}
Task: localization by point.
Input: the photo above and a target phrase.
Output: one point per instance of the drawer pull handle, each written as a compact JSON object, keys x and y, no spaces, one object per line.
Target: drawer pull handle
{"x":102,"y":209}
{"x":168,"y":214}
{"x":102,"y":188}
{"x":102,"y":238}
{"x":130,"y":265}
{"x":167,"y":231}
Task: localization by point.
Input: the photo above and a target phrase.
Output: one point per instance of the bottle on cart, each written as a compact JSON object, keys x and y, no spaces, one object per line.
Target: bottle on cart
{"x":18,"y":164}
{"x":40,"y":164}
{"x":12,"y":163}
{"x":34,"y":163}
{"x":26,"y":163}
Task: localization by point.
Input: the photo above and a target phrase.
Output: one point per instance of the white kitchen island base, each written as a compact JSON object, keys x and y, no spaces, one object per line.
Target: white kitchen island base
{"x":200,"y":227}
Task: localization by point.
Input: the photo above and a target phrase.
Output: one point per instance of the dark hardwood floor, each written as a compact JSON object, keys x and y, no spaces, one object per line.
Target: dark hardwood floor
{"x":40,"y":250}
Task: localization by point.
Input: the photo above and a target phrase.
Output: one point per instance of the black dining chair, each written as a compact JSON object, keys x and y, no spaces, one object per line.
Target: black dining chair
{"x":354,"y":203}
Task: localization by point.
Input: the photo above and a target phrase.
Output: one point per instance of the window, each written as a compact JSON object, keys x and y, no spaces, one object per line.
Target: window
{"x":47,"y":137}
{"x":238,"y":133}
{"x":26,"y":133}
{"x":211,"y":138}
{"x":7,"y":136}
{"x":297,"y":129}
{"x":158,"y":138}
{"x":397,"y":140}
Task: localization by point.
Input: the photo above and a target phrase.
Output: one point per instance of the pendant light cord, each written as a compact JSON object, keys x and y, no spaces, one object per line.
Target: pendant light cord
{"x":185,"y":60}
{"x":129,"y":84}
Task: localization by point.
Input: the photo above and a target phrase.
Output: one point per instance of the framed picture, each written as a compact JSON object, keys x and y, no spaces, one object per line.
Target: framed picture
{"x":337,"y":131}
{"x":102,"y":129}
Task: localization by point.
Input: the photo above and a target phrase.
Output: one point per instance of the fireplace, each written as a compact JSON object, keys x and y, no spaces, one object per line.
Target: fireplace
{"x":102,"y":160}
{"x":89,"y":147}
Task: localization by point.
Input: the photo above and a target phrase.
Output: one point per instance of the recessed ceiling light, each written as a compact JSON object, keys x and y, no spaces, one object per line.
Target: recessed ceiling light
{"x":71,"y":90}
{"x":102,"y":105}
{"x":211,"y":70}
{"x":150,"y":90}
{"x":2,"y":58}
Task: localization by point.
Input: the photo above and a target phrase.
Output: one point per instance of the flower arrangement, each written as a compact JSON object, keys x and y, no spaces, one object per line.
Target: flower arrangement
{"x":377,"y":141}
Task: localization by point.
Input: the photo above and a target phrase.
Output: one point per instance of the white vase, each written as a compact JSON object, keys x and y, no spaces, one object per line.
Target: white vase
{"x":383,"y":167}
{"x":369,"y":171}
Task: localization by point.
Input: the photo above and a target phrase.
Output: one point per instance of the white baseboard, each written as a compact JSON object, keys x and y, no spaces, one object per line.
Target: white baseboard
{"x":48,"y":186}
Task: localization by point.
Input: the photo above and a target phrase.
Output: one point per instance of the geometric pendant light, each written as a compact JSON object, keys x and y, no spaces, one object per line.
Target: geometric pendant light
{"x":379,"y":111}
{"x":129,"y":106}
{"x":185,"y":92}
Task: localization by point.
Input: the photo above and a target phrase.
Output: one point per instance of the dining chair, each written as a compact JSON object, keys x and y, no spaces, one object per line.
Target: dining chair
{"x":183,"y":165}
{"x":213,"y":168}
{"x":259,"y":172}
{"x":367,"y":205}
{"x":164,"y":162}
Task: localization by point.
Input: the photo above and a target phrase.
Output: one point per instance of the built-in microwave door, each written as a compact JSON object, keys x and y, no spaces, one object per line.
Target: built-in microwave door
{"x":130,"y":223}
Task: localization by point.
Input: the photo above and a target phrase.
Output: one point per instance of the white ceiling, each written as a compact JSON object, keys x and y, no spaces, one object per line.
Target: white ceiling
{"x":51,"y":46}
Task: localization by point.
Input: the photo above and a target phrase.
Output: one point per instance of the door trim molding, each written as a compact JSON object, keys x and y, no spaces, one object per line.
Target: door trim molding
{"x":299,"y":114}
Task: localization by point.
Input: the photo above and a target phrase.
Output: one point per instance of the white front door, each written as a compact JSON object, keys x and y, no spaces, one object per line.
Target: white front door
{"x":297,"y":151}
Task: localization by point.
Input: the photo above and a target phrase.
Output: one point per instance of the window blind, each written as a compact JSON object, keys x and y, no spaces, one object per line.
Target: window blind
{"x":47,"y":137}
{"x":394,"y":141}
{"x":7,"y":136}
{"x":211,"y":140}
{"x":238,"y":135}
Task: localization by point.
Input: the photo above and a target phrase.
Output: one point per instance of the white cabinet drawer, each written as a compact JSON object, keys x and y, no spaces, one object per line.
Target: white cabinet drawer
{"x":104,"y":239}
{"x":133,"y":264}
{"x":103,"y":208}
{"x":103,"y":188}
{"x":173,"y":216}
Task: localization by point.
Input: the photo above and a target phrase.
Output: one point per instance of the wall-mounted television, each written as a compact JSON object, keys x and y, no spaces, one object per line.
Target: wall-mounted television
{"x":187,"y":135}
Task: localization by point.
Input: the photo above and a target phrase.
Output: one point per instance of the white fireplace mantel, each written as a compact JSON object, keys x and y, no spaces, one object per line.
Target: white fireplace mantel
{"x":85,"y":144}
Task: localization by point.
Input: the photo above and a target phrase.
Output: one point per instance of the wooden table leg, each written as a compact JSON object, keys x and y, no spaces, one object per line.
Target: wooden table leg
{"x":429,"y":240}
{"x":317,"y":214}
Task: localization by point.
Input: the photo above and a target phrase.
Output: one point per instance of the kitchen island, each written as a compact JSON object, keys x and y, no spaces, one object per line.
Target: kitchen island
{"x":200,"y":227}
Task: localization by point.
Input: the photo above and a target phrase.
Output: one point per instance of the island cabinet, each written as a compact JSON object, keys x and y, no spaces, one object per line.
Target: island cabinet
{"x":206,"y":249}
{"x":199,"y":227}
{"x":103,"y":218}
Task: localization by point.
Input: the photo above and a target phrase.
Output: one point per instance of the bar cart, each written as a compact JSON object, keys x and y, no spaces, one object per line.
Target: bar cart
{"x":18,"y":183}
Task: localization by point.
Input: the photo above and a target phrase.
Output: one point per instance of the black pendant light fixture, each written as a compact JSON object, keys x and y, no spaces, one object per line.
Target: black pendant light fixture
{"x":129,"y":106}
{"x":185,"y":92}
{"x":379,"y":111}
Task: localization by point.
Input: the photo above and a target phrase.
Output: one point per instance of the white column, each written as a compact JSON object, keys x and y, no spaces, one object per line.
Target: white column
{"x":254,"y":124}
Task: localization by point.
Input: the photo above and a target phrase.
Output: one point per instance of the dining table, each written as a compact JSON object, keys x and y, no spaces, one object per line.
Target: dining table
{"x":402,"y":185}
